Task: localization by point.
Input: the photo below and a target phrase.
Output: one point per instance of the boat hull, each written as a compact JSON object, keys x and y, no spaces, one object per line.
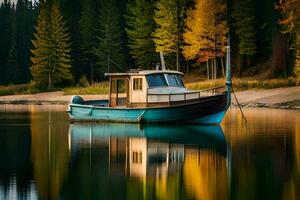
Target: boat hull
{"x":208,"y":110}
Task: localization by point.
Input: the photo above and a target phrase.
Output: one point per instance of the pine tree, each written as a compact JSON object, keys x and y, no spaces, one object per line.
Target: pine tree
{"x":13,"y":72}
{"x":169,"y":17}
{"x":41,"y":45}
{"x":87,"y":27}
{"x":244,"y":16}
{"x":109,"y":49}
{"x":71,"y":10}
{"x":6,"y":14}
{"x":51,"y":53}
{"x":26,"y":15}
{"x":60,"y":51}
{"x":140,"y":25}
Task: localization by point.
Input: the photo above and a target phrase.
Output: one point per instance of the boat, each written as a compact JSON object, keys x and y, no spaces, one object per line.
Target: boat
{"x":154,"y":96}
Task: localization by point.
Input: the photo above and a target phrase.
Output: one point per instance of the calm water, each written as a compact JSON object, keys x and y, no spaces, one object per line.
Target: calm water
{"x":43,"y":157}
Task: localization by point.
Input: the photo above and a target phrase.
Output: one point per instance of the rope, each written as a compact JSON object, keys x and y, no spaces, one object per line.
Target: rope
{"x":116,"y":64}
{"x":244,"y":117}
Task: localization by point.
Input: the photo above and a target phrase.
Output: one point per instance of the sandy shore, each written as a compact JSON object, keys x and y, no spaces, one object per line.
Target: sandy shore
{"x":272,"y":98}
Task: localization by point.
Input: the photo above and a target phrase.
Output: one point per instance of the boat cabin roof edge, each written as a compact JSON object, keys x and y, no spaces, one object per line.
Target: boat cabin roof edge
{"x":143,"y":73}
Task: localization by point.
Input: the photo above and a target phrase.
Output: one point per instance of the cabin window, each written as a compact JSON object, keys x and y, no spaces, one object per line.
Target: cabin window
{"x":118,"y":86}
{"x":156,"y":80}
{"x":174,"y":80}
{"x":137,"y":84}
{"x":137,"y":157}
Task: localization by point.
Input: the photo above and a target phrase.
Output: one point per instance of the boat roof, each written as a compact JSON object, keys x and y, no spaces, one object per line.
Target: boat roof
{"x":144,"y":73}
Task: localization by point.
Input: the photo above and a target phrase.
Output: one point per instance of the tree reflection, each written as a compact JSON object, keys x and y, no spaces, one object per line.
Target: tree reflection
{"x":50,"y":153}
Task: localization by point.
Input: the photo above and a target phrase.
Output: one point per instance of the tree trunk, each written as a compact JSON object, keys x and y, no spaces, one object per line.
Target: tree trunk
{"x":108,"y":67}
{"x":215,"y":68}
{"x":240,"y":65}
{"x":207,"y":69}
{"x":248,"y":61}
{"x":178,"y":38}
{"x":92,"y":73}
{"x":223,"y":69}
{"x":212,"y":68}
{"x":177,"y":58}
{"x":50,"y":84}
{"x":187,"y":67}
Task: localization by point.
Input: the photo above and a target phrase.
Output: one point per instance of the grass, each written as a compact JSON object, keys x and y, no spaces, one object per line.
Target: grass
{"x":245,"y":84}
{"x":102,"y":87}
{"x":13,"y":89}
{"x":97,"y":88}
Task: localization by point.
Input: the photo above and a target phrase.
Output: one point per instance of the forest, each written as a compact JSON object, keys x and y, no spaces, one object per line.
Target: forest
{"x":59,"y":42}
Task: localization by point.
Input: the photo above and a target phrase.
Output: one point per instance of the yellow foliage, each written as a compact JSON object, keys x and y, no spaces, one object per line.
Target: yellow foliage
{"x":297,"y":64}
{"x":205,"y":33}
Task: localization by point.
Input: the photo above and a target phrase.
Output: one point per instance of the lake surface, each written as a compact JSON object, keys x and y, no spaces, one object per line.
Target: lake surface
{"x":43,"y":157}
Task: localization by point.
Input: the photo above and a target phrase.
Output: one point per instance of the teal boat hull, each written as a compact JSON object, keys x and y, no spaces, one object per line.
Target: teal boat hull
{"x":208,"y":110}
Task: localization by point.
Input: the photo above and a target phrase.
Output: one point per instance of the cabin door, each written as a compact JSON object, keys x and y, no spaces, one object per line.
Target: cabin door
{"x":119,"y":92}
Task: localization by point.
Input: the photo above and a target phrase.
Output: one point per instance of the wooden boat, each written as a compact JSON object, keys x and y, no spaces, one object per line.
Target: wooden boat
{"x":154,"y":96}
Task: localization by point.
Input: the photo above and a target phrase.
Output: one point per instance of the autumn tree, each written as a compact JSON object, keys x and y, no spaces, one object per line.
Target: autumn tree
{"x":140,"y":25}
{"x":51,"y":53}
{"x":169,"y":18}
{"x":290,"y":23}
{"x":205,"y":33}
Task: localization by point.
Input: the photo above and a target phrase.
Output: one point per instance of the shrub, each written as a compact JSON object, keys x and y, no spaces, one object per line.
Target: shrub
{"x":33,"y":88}
{"x":83,"y":82}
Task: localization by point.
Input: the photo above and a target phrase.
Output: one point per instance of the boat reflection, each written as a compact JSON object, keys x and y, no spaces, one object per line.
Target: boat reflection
{"x":165,"y":162}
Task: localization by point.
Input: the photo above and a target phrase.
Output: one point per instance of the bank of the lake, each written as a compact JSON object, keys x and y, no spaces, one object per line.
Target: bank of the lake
{"x":287,"y":98}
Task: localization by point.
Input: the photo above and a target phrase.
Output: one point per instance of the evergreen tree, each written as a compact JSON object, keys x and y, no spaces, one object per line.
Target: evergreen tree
{"x":13,"y":72}
{"x":6,"y":15}
{"x":51,"y":53}
{"x":41,"y":45}
{"x":169,"y":17}
{"x":87,"y":25}
{"x":266,"y":27}
{"x":109,"y":49}
{"x":245,"y":21}
{"x":26,"y":15}
{"x":140,"y":26}
{"x":71,"y":10}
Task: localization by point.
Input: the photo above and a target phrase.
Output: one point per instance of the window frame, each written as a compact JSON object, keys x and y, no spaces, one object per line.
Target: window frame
{"x":164,"y":80}
{"x":139,"y":85}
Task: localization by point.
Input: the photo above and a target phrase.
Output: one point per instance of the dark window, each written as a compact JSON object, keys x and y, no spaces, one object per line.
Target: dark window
{"x":137,"y":84}
{"x":156,"y":80}
{"x":137,"y":157}
{"x":174,"y":80}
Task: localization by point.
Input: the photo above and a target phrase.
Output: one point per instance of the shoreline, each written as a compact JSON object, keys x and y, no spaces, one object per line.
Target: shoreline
{"x":282,"y":98}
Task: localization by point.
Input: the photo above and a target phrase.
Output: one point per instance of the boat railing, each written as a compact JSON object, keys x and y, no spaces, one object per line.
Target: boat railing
{"x":163,"y":98}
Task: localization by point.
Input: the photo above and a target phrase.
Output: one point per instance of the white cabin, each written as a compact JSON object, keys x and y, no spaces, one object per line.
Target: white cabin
{"x":148,"y":88}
